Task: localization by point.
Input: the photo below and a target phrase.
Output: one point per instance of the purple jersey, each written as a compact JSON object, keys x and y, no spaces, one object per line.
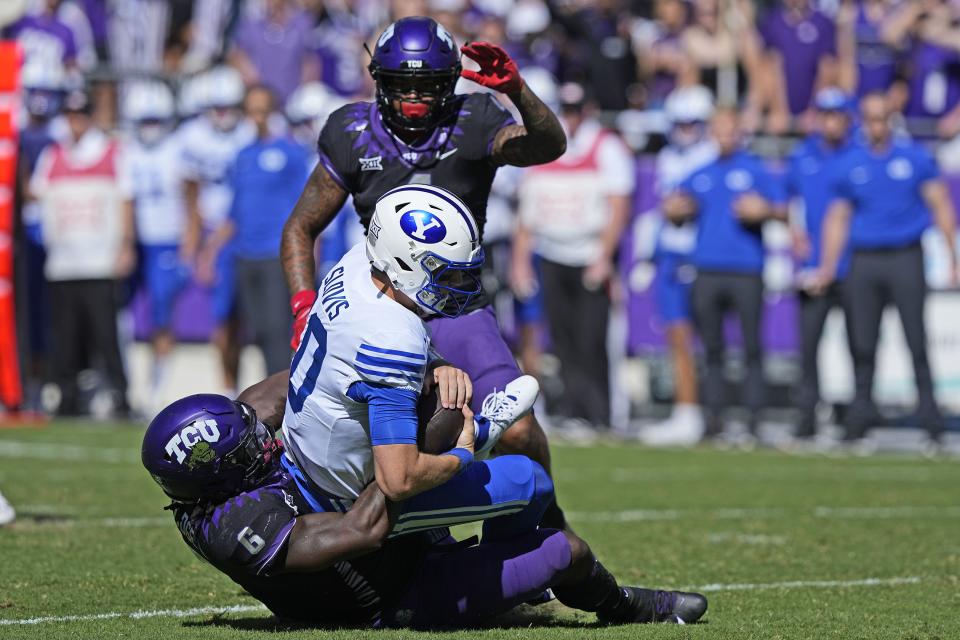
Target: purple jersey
{"x":339,"y":49}
{"x":245,"y":537}
{"x":663,"y":82}
{"x":33,"y":140}
{"x":367,"y":160}
{"x":801,"y":44}
{"x":934,"y":81}
{"x":44,"y":38}
{"x":276,"y":50}
{"x":876,"y":60}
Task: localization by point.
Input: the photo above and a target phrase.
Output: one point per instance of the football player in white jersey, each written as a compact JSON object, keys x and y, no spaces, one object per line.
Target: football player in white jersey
{"x":154,"y":168}
{"x":688,"y":109}
{"x":210,"y":144}
{"x":355,"y":381}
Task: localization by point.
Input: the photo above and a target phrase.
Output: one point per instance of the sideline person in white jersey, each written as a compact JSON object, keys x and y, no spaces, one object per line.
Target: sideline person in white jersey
{"x":688,"y":109}
{"x":356,"y":379}
{"x":210,"y":145}
{"x":156,"y":176}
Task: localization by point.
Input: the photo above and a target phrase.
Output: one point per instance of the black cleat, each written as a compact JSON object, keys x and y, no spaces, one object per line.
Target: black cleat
{"x":647,"y":605}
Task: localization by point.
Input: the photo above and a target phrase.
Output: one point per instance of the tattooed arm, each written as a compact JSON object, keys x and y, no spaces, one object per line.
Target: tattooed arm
{"x":320,"y":201}
{"x":540,"y":139}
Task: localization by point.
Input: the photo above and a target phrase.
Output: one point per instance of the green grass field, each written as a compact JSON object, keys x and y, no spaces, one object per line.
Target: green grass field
{"x":786,"y":546}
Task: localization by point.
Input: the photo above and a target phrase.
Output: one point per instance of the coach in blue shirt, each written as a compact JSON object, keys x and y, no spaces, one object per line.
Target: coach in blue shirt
{"x":886,"y":190}
{"x":266,"y":178}
{"x":731,"y":198}
{"x":809,"y":168}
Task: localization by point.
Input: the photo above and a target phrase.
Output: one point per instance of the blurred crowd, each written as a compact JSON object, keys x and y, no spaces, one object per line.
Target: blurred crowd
{"x":165,"y":141}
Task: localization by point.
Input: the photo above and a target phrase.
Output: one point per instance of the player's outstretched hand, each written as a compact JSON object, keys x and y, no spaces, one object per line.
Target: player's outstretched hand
{"x":454,"y":386}
{"x":497,"y":70}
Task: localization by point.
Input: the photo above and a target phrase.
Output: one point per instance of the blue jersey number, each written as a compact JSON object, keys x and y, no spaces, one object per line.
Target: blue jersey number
{"x":315,"y":330}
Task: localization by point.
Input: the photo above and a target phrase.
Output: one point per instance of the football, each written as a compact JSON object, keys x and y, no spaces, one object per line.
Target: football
{"x":438,"y":428}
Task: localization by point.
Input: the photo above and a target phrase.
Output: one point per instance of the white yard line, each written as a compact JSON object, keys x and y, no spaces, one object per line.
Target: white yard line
{"x":808,"y":584}
{"x":244,"y":608}
{"x":828,"y":513}
{"x":71,"y":452}
{"x":139,"y":615}
{"x":52,"y":521}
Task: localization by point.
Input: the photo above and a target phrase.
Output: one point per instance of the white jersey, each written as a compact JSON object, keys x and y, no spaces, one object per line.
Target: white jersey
{"x":354,"y":334}
{"x":156,"y":177}
{"x":207,"y":155}
{"x":673,"y":166}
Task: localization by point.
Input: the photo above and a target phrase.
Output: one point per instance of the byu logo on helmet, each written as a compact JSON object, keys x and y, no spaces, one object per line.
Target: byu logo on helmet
{"x":189,"y":436}
{"x":423,"y":226}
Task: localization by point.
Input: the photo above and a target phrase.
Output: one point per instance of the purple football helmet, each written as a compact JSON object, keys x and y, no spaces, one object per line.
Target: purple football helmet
{"x":415,"y":55}
{"x":208,"y":447}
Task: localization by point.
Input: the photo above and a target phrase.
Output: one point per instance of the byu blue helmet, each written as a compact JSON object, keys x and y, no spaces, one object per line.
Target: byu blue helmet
{"x":415,"y":55}
{"x":206,"y":446}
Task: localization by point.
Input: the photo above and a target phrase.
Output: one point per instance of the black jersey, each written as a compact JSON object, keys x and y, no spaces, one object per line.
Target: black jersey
{"x":246,"y":538}
{"x":366,"y":159}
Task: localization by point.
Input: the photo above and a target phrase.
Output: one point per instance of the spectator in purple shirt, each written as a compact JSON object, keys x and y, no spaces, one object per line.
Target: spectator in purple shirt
{"x":274,"y":49}
{"x":666,"y":63}
{"x":868,"y":58}
{"x":44,"y":38}
{"x":801,"y":51}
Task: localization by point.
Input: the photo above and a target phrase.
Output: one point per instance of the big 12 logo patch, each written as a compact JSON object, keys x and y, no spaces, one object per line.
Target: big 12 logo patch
{"x":200,"y":434}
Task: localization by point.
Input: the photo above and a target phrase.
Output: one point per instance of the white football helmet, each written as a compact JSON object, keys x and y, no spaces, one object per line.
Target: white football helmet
{"x":223,"y":88}
{"x":148,"y":101}
{"x":427,"y":243}
{"x":689,"y":104}
{"x":688,"y":109}
{"x":312,"y":102}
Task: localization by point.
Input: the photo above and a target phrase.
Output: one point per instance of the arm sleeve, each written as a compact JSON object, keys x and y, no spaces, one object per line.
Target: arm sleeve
{"x":488,"y":117}
{"x":190,"y":159}
{"x":41,"y":172}
{"x":616,"y":166}
{"x":248,"y":533}
{"x":927,"y":168}
{"x":392,"y":411}
{"x":335,"y":148}
{"x":838,"y":182}
{"x":124,"y":177}
{"x":771,"y":184}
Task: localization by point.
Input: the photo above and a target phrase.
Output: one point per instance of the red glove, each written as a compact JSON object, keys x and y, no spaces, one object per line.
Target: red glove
{"x":300,"y":305}
{"x":497,"y":70}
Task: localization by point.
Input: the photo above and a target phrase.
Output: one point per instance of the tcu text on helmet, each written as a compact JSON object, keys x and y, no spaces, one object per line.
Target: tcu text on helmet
{"x":189,"y":436}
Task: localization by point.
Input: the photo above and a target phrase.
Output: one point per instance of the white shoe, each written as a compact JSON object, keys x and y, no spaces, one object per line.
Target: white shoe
{"x":684,"y":428}
{"x":500,"y":410}
{"x":7,"y":514}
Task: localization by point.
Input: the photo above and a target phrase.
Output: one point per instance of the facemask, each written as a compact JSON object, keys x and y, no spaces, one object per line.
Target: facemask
{"x":151,"y":134}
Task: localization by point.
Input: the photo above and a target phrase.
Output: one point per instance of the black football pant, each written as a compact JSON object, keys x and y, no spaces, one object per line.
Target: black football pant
{"x":578,"y":330}
{"x":813,"y":316}
{"x":262,"y":291}
{"x":878,"y":278}
{"x":84,"y":321}
{"x":714,"y":295}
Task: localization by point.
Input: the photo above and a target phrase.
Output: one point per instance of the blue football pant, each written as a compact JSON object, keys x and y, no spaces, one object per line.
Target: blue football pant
{"x":509,"y":494}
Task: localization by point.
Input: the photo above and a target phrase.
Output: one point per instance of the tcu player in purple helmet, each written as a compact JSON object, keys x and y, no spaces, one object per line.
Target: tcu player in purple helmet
{"x":240,"y":510}
{"x":418,"y":131}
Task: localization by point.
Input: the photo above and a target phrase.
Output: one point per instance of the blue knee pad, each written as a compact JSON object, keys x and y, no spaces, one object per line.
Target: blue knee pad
{"x":539,"y":492}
